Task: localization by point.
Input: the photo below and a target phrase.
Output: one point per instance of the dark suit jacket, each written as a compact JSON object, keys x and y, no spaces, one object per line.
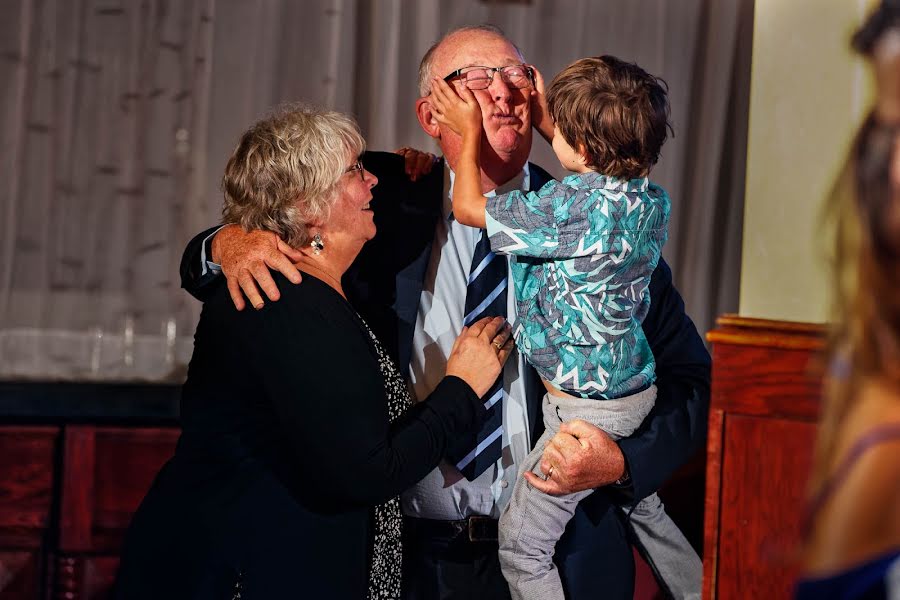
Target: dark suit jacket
{"x":385,"y":284}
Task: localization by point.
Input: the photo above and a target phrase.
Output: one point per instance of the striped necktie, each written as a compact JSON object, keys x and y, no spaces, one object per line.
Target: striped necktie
{"x":485,"y":297}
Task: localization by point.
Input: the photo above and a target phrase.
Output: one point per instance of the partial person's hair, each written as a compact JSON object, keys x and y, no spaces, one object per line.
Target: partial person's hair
{"x":283,"y":176}
{"x":616,"y":110}
{"x":864,"y":209}
{"x":427,"y":62}
{"x":885,"y":18}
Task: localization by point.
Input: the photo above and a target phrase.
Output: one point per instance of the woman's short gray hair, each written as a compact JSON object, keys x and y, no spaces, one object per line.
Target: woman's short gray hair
{"x":283,"y":175}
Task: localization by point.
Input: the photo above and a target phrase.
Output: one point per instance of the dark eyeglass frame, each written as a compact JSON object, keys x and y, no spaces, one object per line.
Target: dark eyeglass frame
{"x":529,"y":75}
{"x":357,"y":166}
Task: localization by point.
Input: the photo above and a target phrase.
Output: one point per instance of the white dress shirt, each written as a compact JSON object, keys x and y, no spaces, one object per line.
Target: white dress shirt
{"x":444,"y":493}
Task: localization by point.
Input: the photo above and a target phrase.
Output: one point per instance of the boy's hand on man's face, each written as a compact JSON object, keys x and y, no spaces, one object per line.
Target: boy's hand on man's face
{"x":540,"y":114}
{"x":459,"y":111}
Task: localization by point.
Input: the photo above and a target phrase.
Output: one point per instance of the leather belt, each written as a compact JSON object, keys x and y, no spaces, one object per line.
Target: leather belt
{"x":476,"y":528}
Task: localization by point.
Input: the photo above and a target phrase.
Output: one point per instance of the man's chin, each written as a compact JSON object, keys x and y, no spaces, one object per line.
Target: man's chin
{"x":506,"y":140}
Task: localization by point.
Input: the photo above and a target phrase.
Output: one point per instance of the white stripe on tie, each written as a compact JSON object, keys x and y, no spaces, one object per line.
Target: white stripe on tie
{"x":493,"y":399}
{"x":477,"y":270}
{"x":481,"y":446}
{"x":485,"y":303}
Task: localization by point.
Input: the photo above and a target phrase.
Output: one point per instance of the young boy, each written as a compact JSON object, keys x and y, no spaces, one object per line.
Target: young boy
{"x":585,"y":249}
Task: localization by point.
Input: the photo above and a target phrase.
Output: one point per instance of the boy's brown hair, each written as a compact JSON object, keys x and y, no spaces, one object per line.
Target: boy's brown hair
{"x":616,"y":110}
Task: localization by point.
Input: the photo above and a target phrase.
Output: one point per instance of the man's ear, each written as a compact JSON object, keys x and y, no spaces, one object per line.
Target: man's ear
{"x":426,"y":118}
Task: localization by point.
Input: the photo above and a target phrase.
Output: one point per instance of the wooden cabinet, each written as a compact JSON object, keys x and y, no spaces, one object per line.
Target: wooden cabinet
{"x":27,"y":475}
{"x":75,"y":461}
{"x":106,"y":473}
{"x":765,"y":396}
{"x":67,"y":494}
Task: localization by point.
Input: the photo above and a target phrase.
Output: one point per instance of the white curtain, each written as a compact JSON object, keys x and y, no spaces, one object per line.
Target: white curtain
{"x":104,"y":120}
{"x":118,"y":117}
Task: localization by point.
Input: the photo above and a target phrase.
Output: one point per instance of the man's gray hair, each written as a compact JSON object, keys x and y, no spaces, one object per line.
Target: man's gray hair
{"x":427,"y":63}
{"x":283,"y":175}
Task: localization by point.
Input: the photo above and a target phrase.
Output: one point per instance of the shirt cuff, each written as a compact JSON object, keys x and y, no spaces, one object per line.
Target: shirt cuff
{"x":207,"y":265}
{"x":623,"y":493}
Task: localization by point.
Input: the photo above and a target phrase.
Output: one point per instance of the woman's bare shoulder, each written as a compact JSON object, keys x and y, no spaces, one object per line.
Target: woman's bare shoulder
{"x":871,"y":446}
{"x":861,"y":519}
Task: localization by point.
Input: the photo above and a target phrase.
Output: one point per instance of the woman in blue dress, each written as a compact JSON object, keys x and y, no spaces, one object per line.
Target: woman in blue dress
{"x":853,"y":530}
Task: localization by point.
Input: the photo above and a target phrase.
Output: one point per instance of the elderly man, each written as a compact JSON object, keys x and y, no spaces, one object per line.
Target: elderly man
{"x":419,"y":281}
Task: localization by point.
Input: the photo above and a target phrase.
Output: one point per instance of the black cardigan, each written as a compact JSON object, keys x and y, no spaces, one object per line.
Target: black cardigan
{"x":285,"y":447}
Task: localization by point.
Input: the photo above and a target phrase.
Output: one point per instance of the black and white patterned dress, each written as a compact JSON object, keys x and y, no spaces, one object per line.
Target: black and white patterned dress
{"x":387,"y":553}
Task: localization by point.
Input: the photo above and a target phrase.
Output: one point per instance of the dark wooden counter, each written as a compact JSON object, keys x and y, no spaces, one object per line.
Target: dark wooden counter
{"x":90,"y":401}
{"x":75,"y":461}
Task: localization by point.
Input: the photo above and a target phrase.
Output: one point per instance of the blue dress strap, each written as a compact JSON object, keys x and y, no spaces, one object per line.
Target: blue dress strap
{"x":875,"y":436}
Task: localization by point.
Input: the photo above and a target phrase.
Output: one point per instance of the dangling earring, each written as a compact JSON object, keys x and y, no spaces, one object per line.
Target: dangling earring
{"x":317,"y":244}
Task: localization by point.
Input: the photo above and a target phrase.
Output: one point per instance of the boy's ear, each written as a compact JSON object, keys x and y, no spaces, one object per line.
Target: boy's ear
{"x":426,"y":118}
{"x":582,"y":153}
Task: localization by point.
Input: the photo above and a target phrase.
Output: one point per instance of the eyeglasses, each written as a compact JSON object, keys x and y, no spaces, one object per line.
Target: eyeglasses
{"x":480,"y":78}
{"x":357,"y":166}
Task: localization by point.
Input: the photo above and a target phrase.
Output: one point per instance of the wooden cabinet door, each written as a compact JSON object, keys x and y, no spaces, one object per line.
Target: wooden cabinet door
{"x":766,"y":383}
{"x":107,"y":472}
{"x":26,"y":497}
{"x":763,"y":494}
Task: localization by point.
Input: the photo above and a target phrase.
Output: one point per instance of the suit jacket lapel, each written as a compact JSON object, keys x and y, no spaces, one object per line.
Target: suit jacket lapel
{"x":537,"y":177}
{"x":409,"y":284}
{"x":427,"y":198}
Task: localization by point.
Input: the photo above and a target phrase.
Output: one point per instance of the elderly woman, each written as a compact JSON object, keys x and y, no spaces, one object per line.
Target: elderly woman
{"x":298,"y":433}
{"x":853,"y":532}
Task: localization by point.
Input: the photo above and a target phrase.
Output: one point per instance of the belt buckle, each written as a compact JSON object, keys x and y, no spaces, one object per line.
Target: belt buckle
{"x":482,"y":529}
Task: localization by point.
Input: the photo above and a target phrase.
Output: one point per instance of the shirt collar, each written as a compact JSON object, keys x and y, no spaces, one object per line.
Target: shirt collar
{"x":596,"y":180}
{"x":521,"y":182}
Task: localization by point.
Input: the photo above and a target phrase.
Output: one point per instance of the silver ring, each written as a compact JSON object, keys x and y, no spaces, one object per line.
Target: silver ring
{"x":550,"y":472}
